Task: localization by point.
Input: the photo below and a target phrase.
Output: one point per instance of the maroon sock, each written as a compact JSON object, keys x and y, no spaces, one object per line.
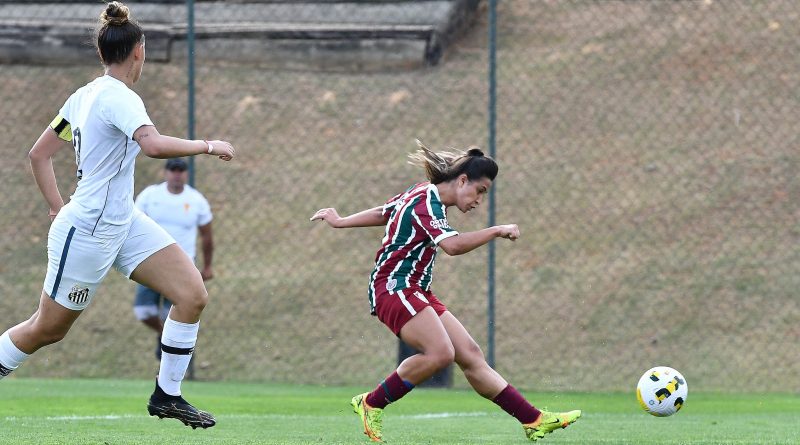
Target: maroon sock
{"x":513,"y":403}
{"x":388,"y":391}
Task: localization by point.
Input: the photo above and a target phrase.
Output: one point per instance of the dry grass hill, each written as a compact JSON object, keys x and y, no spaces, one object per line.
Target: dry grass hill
{"x":648,"y":151}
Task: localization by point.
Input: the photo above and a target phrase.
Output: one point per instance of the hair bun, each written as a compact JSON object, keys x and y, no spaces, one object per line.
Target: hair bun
{"x":474,"y":151}
{"x":116,"y":14}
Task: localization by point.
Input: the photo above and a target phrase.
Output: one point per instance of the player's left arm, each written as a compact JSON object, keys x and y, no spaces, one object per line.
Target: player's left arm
{"x":431,"y":215}
{"x":41,"y":159}
{"x":365,"y":218}
{"x":468,"y":241}
{"x":159,"y":146}
{"x":207,"y":246}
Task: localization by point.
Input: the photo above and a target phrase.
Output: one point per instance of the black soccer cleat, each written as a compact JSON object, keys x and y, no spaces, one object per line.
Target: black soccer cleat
{"x":164,"y":405}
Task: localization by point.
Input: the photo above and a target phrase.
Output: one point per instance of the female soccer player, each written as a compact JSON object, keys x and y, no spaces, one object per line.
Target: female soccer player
{"x":400,"y":295}
{"x":99,"y":228}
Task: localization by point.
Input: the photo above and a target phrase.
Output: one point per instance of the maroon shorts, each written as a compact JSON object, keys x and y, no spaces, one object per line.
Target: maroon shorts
{"x":396,"y":309}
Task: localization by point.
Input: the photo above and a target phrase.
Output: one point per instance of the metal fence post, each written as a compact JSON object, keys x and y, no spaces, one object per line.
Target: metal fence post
{"x":190,"y":118}
{"x":492,"y":152}
{"x":190,"y":82}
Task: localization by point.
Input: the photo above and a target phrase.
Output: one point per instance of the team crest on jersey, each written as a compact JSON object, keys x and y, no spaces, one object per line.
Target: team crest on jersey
{"x":78,"y":294}
{"x":440,"y":223}
{"x":391,"y":284}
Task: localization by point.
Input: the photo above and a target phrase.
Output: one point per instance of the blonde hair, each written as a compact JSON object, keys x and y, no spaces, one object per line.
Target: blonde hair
{"x":443,"y":166}
{"x":115,"y":14}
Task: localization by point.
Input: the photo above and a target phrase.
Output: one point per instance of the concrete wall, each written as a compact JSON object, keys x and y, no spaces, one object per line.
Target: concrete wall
{"x":324,"y":35}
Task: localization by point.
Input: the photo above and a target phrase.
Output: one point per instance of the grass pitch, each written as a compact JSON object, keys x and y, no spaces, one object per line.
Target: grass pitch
{"x":113,"y":412}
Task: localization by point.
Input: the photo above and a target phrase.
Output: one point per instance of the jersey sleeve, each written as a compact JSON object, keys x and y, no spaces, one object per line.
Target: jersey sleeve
{"x":126,"y":112}
{"x":61,"y":123}
{"x":391,"y":204}
{"x":431,"y":215}
{"x":397,"y":199}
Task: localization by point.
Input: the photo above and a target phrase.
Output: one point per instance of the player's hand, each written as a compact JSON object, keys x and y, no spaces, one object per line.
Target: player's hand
{"x":52,"y":214}
{"x":329,"y":215}
{"x":222,"y":149}
{"x":207,"y":273}
{"x":508,"y":231}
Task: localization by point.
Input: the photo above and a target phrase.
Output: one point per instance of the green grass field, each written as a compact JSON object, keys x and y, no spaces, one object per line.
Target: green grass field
{"x":113,"y":412}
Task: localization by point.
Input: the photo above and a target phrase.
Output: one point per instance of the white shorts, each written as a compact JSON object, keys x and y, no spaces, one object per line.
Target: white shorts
{"x":77,"y":262}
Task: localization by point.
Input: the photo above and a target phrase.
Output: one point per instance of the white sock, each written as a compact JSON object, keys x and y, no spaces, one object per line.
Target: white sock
{"x":10,"y":356}
{"x":179,"y":338}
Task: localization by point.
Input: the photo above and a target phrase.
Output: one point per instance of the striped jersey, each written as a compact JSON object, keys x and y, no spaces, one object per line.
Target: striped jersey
{"x":417,"y":222}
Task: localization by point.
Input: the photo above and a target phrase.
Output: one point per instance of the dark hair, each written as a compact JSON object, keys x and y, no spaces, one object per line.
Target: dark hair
{"x":117,"y":34}
{"x":176,"y":164}
{"x":445,"y":166}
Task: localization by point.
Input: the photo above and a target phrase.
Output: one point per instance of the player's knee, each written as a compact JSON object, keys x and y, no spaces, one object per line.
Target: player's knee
{"x":473,"y":355}
{"x":194,"y":300}
{"x":443,"y":357}
{"x":201,"y":299}
{"x":47,"y":335}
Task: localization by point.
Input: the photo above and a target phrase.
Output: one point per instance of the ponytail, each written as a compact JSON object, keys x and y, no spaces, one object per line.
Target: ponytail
{"x":444,"y":166}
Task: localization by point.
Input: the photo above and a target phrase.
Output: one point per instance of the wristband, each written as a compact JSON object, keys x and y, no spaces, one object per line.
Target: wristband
{"x":210,"y":147}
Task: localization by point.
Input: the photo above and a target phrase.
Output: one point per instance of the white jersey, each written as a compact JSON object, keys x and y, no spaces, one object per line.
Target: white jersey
{"x":179,"y":214}
{"x":102,"y":117}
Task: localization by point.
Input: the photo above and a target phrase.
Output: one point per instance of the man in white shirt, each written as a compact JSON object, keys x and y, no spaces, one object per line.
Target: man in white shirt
{"x":183,"y":212}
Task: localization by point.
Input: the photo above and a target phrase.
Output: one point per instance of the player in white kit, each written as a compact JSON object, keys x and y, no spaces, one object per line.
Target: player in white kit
{"x":100,"y":228}
{"x":184,"y":213}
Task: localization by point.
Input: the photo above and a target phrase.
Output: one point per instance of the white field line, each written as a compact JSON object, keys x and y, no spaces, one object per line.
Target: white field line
{"x":236,"y":416}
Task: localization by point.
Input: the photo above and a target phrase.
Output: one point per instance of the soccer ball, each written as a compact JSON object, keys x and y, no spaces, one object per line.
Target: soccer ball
{"x":662,"y":391}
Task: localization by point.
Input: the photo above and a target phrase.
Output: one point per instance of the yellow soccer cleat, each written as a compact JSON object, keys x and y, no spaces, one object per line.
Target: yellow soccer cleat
{"x":371,"y":418}
{"x":549,"y":422}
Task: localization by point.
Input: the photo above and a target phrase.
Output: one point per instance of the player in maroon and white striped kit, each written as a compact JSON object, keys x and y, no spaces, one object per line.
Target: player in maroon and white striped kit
{"x":400,"y":295}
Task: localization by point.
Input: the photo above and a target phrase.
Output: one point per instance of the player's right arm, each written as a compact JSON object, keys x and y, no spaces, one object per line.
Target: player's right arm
{"x":41,"y":158}
{"x":159,"y":146}
{"x":365,"y":218}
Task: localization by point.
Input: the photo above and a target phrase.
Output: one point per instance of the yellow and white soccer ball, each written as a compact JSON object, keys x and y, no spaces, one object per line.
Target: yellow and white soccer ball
{"x":662,"y":391}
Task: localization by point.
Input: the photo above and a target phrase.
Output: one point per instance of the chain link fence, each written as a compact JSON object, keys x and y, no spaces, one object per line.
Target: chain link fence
{"x":648,"y":152}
